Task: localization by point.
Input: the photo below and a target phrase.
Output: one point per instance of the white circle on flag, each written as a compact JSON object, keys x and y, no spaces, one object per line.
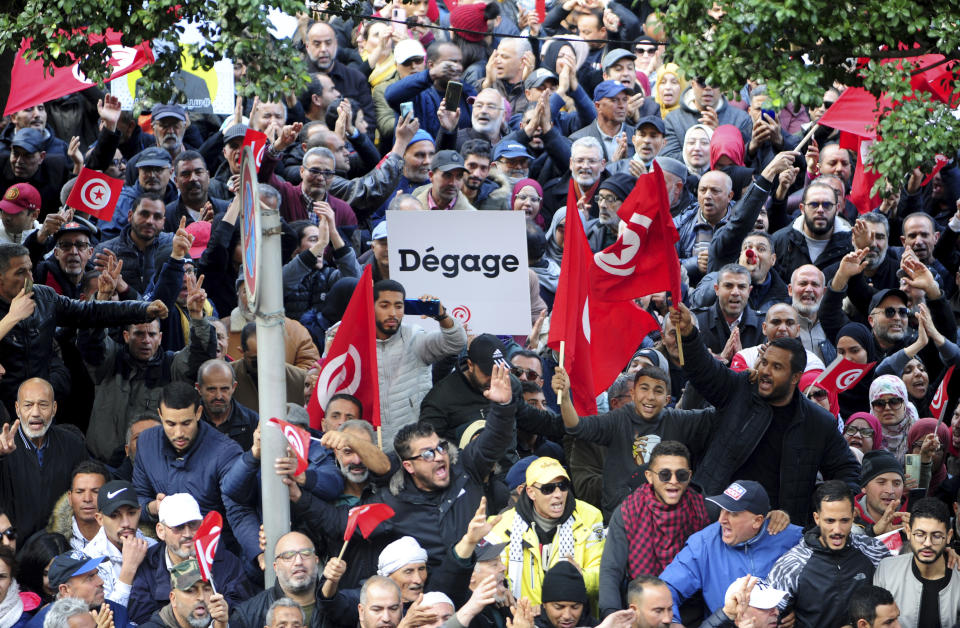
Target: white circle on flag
{"x":95,"y":194}
{"x":847,"y":378}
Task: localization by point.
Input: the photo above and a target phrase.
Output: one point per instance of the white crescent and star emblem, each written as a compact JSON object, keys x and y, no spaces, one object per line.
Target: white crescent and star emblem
{"x":95,"y":194}
{"x":848,"y":378}
{"x":335,"y":373}
{"x":618,"y":258}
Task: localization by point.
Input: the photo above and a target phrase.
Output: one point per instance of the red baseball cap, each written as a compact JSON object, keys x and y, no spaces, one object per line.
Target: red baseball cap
{"x":201,"y":236}
{"x":20,"y":197}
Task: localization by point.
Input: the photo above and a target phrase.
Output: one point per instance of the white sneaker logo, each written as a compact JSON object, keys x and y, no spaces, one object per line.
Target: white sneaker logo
{"x":115,"y":493}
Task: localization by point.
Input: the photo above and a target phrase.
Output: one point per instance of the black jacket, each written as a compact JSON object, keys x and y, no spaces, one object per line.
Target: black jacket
{"x":253,"y":612}
{"x":239,"y":426}
{"x":790,"y":246}
{"x":716,"y":332}
{"x":28,"y":349}
{"x":811,"y":442}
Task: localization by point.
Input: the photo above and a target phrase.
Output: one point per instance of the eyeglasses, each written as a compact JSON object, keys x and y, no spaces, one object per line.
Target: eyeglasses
{"x":935,"y":537}
{"x":893,"y":404}
{"x":523,"y":198}
{"x":828,"y":205}
{"x":682,"y":475}
{"x":865,"y":432}
{"x":528,"y":374}
{"x":893,"y":312}
{"x":317,"y":172}
{"x":10,"y":533}
{"x":550,"y":487}
{"x":585,"y":161}
{"x":66,"y":246}
{"x":819,"y":395}
{"x":428,"y":455}
{"x":607,"y":200}
{"x":192,"y":525}
{"x":645,"y":52}
{"x":292,"y":554}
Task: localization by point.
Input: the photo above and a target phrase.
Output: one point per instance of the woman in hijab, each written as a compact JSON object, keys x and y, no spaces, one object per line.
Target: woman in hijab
{"x":696,"y":148}
{"x":855,"y":343}
{"x":668,"y":87}
{"x":863,"y":432}
{"x":935,"y":450}
{"x":888,"y":398}
{"x":555,"y":235}
{"x":527,"y":197}
{"x":726,"y":154}
{"x":15,"y":607}
{"x":821,"y":396}
{"x":566,"y":47}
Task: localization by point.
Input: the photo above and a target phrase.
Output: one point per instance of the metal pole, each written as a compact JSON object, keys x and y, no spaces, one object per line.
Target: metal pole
{"x":271,"y":385}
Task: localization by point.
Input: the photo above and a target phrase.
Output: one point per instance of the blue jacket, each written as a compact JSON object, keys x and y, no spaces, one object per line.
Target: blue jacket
{"x":139,"y":267}
{"x":708,"y":564}
{"x":418,"y":88}
{"x":128,"y":195}
{"x":151,"y":585}
{"x":119,"y":616}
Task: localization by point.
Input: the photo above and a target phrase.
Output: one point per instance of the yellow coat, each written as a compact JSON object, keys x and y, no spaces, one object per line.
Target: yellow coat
{"x":588,"y":537}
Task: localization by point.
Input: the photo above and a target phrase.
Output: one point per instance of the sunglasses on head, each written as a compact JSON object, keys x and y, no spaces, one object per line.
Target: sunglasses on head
{"x":893,"y":404}
{"x":429,"y":455}
{"x":682,"y":475}
{"x":550,"y":487}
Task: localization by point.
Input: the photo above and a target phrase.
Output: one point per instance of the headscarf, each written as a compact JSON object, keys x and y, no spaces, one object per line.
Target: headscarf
{"x":674,"y":69}
{"x":728,"y":141}
{"x":519,"y":185}
{"x":878,"y":442}
{"x":551,"y":50}
{"x":920,"y":429}
{"x":554,"y":250}
{"x":709,"y":132}
{"x":807,"y":379}
{"x":895,"y":435}
{"x":863,"y":336}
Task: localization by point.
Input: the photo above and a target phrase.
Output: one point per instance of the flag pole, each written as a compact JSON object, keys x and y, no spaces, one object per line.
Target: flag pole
{"x":379,"y":438}
{"x":563,"y":350}
{"x":807,"y":137}
{"x":343,"y":549}
{"x":679,"y":339}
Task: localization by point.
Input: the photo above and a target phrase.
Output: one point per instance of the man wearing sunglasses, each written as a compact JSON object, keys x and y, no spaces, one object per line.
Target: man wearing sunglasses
{"x":72,"y":250}
{"x":815,"y":240}
{"x":547,"y":525}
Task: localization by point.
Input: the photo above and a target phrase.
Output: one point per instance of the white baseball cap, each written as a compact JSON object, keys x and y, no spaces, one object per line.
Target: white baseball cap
{"x":408,"y":49}
{"x":178,"y":509}
{"x":763,"y":596}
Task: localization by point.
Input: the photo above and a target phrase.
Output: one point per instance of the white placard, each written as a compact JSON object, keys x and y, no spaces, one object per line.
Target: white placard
{"x":475,"y":262}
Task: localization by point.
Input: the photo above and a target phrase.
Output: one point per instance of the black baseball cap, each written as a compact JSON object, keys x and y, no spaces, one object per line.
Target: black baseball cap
{"x":159,"y":112}
{"x":485,"y":351}
{"x":155,"y":157}
{"x":888,"y":292}
{"x":447,"y":160}
{"x":489,"y":551}
{"x":654,"y":121}
{"x":237,"y":130}
{"x":743,"y":495}
{"x":115,"y":494}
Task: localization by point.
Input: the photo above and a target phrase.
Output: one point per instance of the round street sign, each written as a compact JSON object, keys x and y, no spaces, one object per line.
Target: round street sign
{"x":250,"y":233}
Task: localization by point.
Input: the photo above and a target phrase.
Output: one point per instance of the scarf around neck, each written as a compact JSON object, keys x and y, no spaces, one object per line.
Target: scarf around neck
{"x":11,"y":608}
{"x":656,"y":531}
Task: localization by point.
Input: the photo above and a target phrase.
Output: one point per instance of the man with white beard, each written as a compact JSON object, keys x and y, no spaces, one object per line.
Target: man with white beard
{"x":806,"y":292}
{"x":587,"y":171}
{"x":486,"y":122}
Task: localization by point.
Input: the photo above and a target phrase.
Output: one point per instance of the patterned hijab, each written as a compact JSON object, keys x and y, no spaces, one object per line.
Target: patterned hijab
{"x":895,"y":436}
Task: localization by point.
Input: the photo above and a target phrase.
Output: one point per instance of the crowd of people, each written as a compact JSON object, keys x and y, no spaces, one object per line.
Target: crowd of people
{"x":724,"y":480}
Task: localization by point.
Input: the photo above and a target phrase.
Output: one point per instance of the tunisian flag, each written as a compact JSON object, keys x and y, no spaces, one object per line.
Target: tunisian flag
{"x":367,"y":518}
{"x":350,"y":365}
{"x":299,"y":441}
{"x":842,"y":374}
{"x":205,"y":542}
{"x":95,"y":193}
{"x":30,"y":86}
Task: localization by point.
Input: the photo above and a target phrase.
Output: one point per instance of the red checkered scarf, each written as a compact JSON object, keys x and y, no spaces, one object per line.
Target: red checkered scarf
{"x":655,"y":531}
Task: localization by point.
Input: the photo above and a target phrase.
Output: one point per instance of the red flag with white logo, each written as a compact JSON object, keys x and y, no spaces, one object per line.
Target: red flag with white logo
{"x":257,"y":142}
{"x":205,"y":542}
{"x":95,"y":193}
{"x":939,"y":402}
{"x":367,"y":518}
{"x":30,"y":85}
{"x":892,"y":540}
{"x":299,"y":440}
{"x":350,"y":366}
{"x":842,"y":374}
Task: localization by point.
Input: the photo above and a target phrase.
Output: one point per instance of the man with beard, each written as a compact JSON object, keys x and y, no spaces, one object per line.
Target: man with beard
{"x":447,"y":172}
{"x":321,"y":52}
{"x":119,"y":540}
{"x":380,"y":605}
{"x":179,"y":520}
{"x":765,"y":431}
{"x":193,"y":604}
{"x":872,"y":232}
{"x":603,"y":230}
{"x":816,"y":240}
{"x":297,"y":566}
{"x":142,"y":245}
{"x":36,"y":458}
{"x":74,"y":575}
{"x":926,"y":590}
{"x":153,"y":177}
{"x":216,"y":383}
{"x":169,"y":123}
{"x":547,"y":516}
{"x":193,"y":182}
{"x":486,"y":121}
{"x":779,"y":322}
{"x":483,"y":190}
{"x":610,"y":98}
{"x":586,"y":169}
{"x":822,"y":571}
{"x":807,"y":284}
{"x":731,"y":313}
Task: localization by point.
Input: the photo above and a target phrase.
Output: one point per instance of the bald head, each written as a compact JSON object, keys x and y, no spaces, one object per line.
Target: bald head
{"x":35,"y":408}
{"x":782,"y":321}
{"x":35,"y":385}
{"x":321,"y":46}
{"x":213,"y":368}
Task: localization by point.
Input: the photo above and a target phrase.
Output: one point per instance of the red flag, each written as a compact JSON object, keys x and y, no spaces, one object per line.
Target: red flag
{"x":939,"y":162}
{"x":939,"y":402}
{"x":855,"y":111}
{"x":644,"y":258}
{"x":257,"y":142}
{"x":95,"y":193}
{"x":892,"y":540}
{"x":299,"y":440}
{"x":350,"y":366}
{"x":541,"y":6}
{"x":863,"y":180}
{"x":842,"y":375}
{"x":29,"y":86}
{"x":206,"y":540}
{"x":367,"y":517}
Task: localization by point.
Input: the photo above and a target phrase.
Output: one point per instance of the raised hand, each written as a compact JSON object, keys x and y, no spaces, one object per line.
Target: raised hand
{"x":885,"y":523}
{"x":500,"y":390}
{"x":8,"y":438}
{"x":522,"y":614}
{"x":682,"y":319}
{"x":287,"y":136}
{"x":219,"y":610}
{"x":109,"y":110}
{"x":157,"y":309}
{"x":21,"y":307}
{"x":813,"y":158}
{"x":182,"y":240}
{"x":560,"y":383}
{"x":196,"y":296}
{"x":852,"y":264}
{"x":448,"y":119}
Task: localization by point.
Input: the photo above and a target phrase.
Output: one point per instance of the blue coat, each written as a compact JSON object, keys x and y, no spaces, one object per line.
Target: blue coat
{"x":708,"y":564}
{"x":418,"y":88}
{"x":119,"y":616}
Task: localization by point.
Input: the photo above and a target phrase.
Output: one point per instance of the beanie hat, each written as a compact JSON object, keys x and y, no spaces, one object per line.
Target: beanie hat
{"x":563,"y":583}
{"x":621,"y":184}
{"x":469,"y":17}
{"x":421,"y":136}
{"x":878,"y":462}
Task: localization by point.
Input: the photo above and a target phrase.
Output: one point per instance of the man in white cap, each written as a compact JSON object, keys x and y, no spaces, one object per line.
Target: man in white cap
{"x":405,"y":562}
{"x":180,"y":518}
{"x":748,"y":602}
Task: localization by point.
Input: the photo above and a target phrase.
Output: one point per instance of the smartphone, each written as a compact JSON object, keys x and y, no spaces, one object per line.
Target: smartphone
{"x":405,"y":108}
{"x":452,"y":97}
{"x":399,"y":17}
{"x":416,"y":306}
{"x":769,"y":113}
{"x":28,"y":285}
{"x":913,"y":466}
